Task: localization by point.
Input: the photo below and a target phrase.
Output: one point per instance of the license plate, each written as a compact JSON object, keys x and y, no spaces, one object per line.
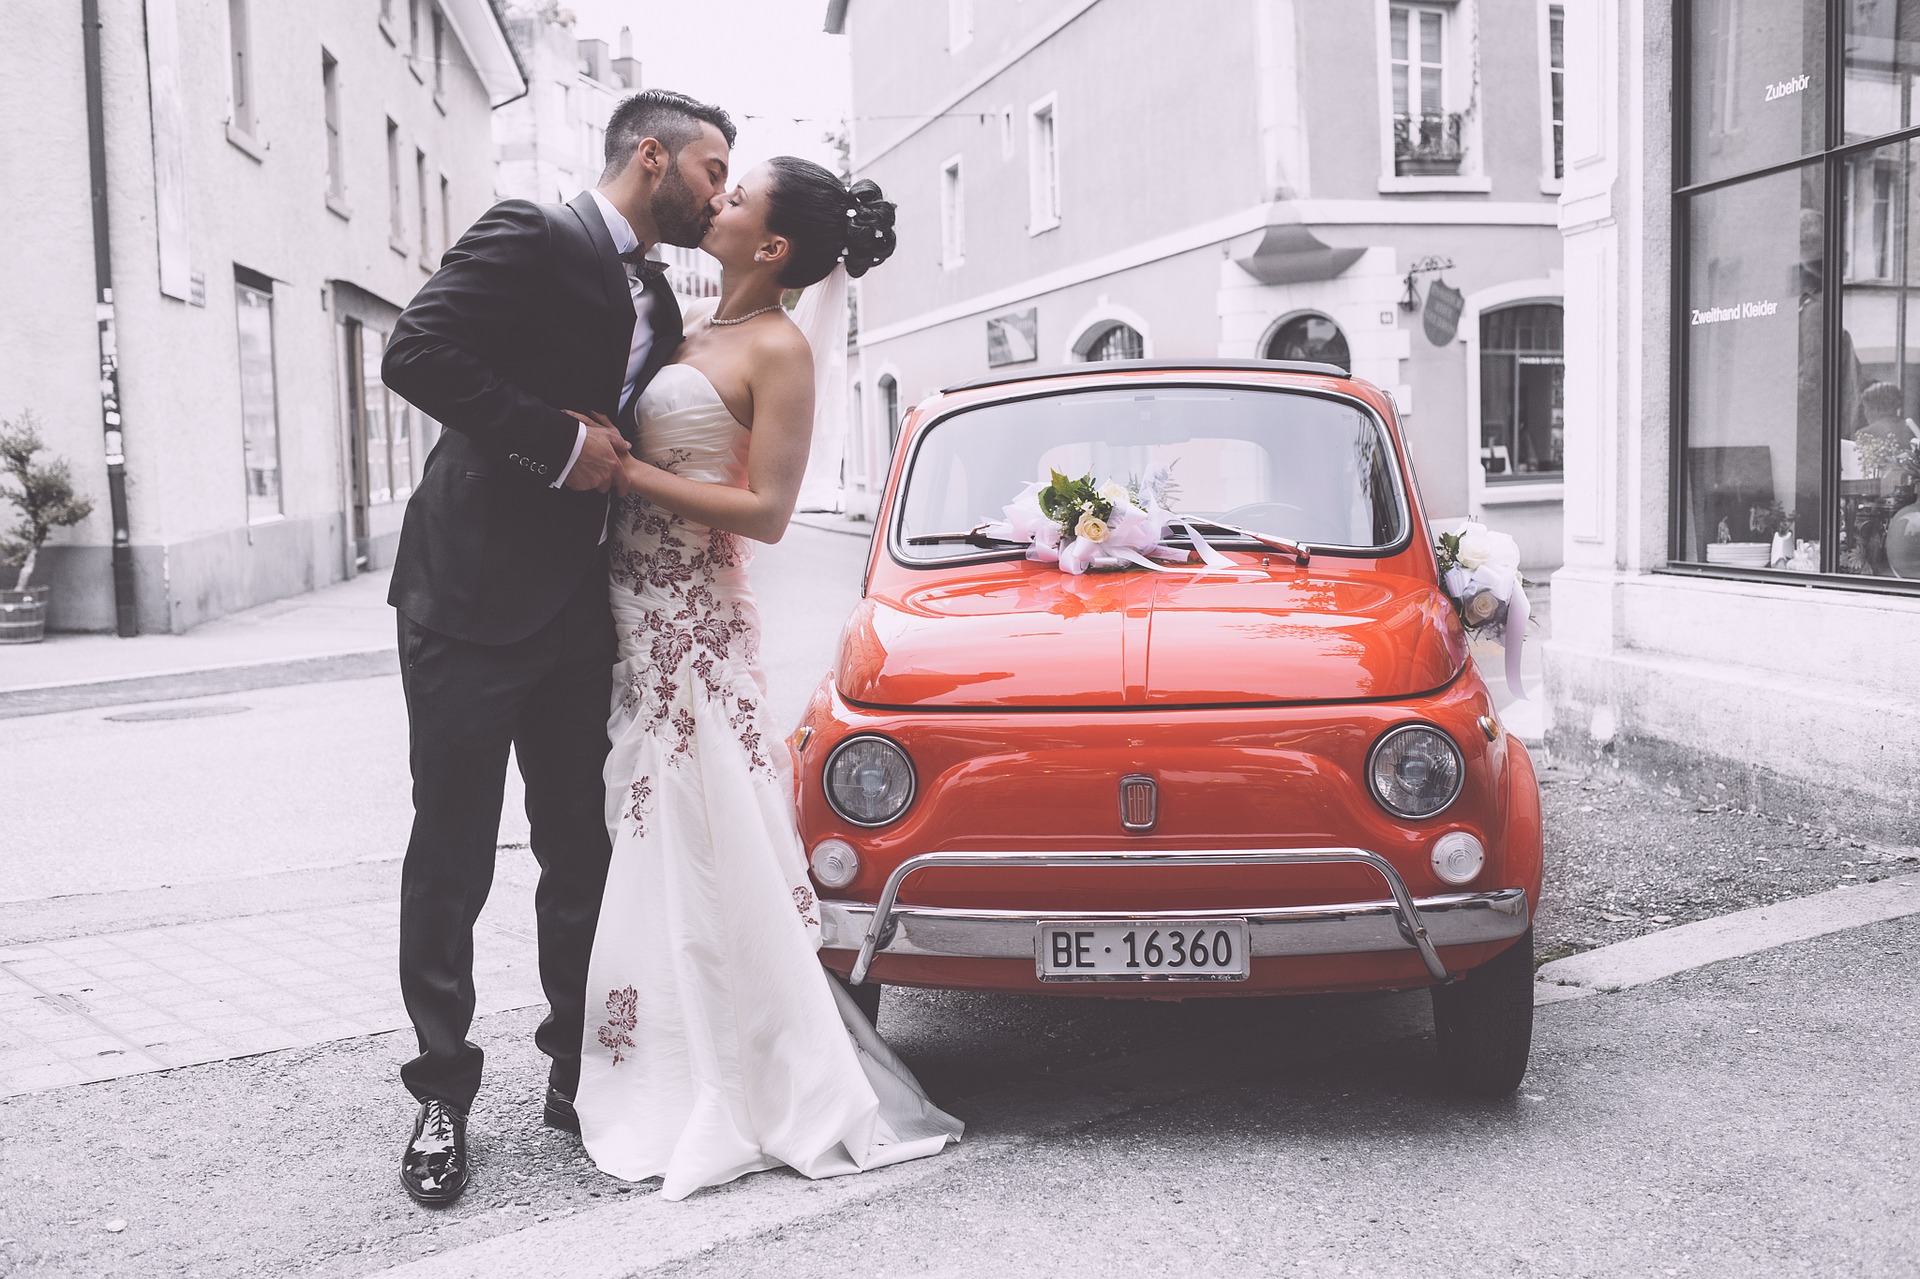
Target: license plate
{"x":1141,"y":950}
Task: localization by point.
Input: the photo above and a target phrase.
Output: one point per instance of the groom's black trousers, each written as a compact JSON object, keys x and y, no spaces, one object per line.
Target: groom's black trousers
{"x":547,"y":696}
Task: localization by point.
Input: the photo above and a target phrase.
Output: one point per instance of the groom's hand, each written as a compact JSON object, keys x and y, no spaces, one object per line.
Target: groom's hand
{"x":598,"y":468}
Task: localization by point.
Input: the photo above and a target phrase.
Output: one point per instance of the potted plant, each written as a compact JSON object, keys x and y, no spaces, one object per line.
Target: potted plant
{"x":47,"y":501}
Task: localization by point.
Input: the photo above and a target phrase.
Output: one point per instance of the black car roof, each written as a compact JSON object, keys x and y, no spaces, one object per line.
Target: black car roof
{"x":1167,"y":366}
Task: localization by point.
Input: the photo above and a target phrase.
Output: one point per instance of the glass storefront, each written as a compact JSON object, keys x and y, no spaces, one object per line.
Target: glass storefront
{"x":1798,"y":444}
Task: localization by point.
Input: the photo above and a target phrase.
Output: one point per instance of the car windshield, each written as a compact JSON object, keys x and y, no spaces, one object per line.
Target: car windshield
{"x":1306,"y":468}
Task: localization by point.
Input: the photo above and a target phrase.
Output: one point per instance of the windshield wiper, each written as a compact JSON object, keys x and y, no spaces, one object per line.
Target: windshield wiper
{"x":1298,"y":551}
{"x":972,"y":537}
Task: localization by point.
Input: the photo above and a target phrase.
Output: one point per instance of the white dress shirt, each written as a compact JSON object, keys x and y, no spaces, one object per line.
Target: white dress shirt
{"x":624,"y":241}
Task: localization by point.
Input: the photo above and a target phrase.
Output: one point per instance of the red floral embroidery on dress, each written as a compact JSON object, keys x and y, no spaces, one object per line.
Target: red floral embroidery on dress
{"x":623,"y":1014}
{"x":699,"y":643}
{"x":803,"y":902}
{"x":641,"y":793}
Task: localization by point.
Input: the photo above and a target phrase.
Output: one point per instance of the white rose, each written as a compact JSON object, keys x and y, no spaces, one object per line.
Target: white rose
{"x":1476,"y":546}
{"x":1115,"y":495}
{"x":1091,"y":527}
{"x":1505,"y":553}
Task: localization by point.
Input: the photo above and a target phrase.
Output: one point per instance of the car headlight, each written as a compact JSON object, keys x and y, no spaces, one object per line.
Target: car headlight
{"x":1457,"y":857}
{"x":869,"y":780}
{"x":1415,"y":770}
{"x":834,"y":863}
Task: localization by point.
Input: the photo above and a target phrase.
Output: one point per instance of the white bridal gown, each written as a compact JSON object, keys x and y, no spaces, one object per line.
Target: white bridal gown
{"x":716,"y":1045}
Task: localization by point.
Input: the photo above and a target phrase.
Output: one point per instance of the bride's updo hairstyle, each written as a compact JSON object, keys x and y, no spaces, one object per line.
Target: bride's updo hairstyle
{"x":825,"y":221}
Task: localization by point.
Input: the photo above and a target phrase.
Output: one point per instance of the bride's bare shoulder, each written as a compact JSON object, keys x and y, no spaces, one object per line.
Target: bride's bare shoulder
{"x":782,"y":344}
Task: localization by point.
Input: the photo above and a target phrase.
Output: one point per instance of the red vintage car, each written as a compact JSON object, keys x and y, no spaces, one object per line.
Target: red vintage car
{"x":1286,"y":778}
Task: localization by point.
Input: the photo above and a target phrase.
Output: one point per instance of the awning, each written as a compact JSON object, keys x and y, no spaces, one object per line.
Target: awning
{"x":482,"y":31}
{"x":1289,"y":252}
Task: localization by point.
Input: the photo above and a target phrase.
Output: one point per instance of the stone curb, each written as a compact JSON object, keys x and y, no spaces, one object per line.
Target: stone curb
{"x":1649,"y":958}
{"x":48,"y":699}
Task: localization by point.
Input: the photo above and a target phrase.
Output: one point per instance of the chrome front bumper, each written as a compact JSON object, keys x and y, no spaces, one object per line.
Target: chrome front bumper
{"x":1452,"y":919}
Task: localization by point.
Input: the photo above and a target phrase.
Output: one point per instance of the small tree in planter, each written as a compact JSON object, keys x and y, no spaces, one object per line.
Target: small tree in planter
{"x":46,"y":500}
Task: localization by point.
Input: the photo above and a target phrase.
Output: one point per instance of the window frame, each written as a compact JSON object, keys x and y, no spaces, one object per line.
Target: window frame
{"x":1553,"y":165}
{"x":959,"y":25}
{"x":1830,"y":162}
{"x":336,"y":153}
{"x":396,"y":196}
{"x":243,"y":104}
{"x":1459,"y":73}
{"x":421,"y":192}
{"x":247,"y":282}
{"x":953,"y":213}
{"x":1043,"y":167}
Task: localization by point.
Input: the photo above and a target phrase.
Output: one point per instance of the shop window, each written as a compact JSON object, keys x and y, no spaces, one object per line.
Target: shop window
{"x":1759,"y":85}
{"x":259,"y":397}
{"x":1115,"y":341}
{"x":1310,"y":337}
{"x":383,"y":434}
{"x":1523,"y":376}
{"x":1756,"y":382}
{"x":1798,"y":440}
{"x":1877,"y":529}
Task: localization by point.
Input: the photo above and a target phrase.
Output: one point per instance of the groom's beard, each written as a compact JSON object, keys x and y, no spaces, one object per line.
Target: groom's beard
{"x":680,"y":216}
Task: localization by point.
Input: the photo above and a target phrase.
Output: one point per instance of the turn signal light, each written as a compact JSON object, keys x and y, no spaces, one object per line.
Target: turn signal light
{"x":835,"y":864}
{"x":1458,"y":857}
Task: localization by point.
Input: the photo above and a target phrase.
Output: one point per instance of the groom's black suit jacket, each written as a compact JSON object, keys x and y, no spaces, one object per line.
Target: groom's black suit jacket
{"x":529,"y":315}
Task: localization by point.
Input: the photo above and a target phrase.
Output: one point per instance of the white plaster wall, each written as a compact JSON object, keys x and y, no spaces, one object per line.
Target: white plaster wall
{"x":179,"y":366}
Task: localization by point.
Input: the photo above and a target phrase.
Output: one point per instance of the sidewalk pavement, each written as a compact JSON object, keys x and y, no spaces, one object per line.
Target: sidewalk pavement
{"x":344,"y":631}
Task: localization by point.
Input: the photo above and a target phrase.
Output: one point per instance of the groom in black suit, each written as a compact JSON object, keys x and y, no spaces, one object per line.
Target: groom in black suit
{"x":540,"y":315}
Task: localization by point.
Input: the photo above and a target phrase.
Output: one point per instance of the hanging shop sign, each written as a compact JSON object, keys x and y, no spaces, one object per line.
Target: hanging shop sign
{"x":1442,"y":317}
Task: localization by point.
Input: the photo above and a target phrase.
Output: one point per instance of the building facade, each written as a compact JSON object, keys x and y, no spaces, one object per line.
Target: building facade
{"x":1372,"y":183}
{"x":280,"y":179}
{"x":551,"y":144}
{"x":1741,"y":589}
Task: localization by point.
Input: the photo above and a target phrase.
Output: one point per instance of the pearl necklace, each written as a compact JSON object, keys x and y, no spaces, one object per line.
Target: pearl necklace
{"x":742,"y":319}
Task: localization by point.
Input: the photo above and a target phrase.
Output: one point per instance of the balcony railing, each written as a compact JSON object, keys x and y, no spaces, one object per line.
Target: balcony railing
{"x":1426,"y":144}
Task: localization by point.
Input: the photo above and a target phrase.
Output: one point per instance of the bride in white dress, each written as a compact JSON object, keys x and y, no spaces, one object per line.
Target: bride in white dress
{"x":716,"y":1045}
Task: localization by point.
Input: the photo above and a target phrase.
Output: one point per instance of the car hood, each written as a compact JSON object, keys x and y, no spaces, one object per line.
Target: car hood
{"x":1024,"y":635}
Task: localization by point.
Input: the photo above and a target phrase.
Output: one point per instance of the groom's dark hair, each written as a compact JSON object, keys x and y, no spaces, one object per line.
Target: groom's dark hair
{"x":672,"y":119}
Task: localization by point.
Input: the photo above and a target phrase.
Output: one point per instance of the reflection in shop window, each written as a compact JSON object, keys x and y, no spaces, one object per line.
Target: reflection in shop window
{"x":1759,"y":85}
{"x":1523,"y":407}
{"x":1756,"y":385}
{"x":1882,"y":59}
{"x":1878,"y":524}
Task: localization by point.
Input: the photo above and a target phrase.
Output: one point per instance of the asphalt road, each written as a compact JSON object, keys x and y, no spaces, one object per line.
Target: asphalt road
{"x":1753,"y":1117}
{"x":312,"y":776}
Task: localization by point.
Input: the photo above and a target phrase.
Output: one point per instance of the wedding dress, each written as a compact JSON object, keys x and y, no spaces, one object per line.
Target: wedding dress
{"x":716,"y":1045}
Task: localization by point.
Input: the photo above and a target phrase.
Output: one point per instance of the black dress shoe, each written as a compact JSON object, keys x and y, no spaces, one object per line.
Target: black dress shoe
{"x":434,"y":1166}
{"x":560,"y":1112}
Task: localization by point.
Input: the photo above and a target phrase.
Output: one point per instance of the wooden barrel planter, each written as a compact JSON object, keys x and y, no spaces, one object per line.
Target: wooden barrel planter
{"x":23,"y":615}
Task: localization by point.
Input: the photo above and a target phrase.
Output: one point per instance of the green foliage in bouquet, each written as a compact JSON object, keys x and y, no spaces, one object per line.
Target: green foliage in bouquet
{"x":1066,"y":501}
{"x":44,"y":495}
{"x":1446,"y":549}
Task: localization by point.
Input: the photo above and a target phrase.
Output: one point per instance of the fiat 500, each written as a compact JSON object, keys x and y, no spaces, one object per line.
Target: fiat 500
{"x":1275,"y":771}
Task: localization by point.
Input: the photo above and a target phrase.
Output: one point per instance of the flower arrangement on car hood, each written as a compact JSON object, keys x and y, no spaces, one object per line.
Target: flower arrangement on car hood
{"x":1080,"y":524}
{"x":1480,"y":572}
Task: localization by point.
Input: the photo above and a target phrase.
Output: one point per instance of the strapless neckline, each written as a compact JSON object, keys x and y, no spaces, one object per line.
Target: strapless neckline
{"x":712,"y":390}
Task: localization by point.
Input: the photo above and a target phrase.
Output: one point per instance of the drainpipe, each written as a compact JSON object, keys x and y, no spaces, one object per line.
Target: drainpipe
{"x":126,"y":620}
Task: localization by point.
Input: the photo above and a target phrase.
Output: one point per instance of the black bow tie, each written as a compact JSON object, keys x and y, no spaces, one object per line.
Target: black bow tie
{"x":638,"y":264}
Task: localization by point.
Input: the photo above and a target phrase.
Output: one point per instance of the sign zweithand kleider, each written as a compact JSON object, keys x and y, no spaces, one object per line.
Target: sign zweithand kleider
{"x":1442,"y":317}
